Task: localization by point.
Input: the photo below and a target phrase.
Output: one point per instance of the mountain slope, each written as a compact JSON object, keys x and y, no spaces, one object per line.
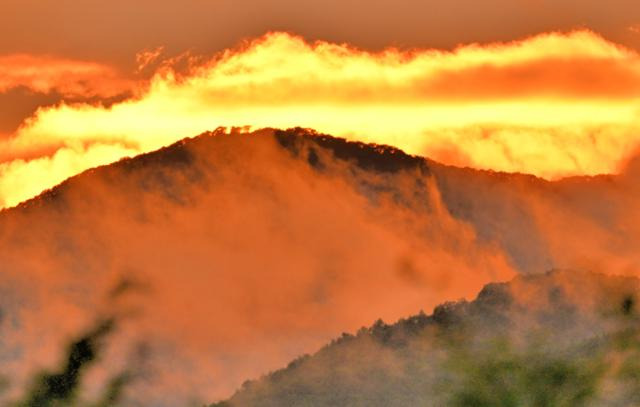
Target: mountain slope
{"x":501,"y":207}
{"x":562,"y":338}
{"x":240,"y":251}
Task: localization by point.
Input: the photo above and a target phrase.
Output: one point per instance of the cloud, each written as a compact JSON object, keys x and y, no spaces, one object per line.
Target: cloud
{"x":32,"y":82}
{"x":69,"y":78}
{"x":147,"y":57}
{"x":552,"y":105}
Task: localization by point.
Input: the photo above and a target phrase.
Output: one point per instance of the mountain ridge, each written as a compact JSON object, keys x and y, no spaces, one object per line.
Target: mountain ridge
{"x":380,"y":157}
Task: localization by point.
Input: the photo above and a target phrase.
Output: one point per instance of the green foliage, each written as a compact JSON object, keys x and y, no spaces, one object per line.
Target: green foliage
{"x":502,"y":376}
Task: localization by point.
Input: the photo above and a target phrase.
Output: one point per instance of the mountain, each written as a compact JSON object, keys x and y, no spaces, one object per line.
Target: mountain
{"x":562,"y":338}
{"x":223,"y":256}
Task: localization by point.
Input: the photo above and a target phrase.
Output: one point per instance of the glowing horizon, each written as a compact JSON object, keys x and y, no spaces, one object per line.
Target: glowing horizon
{"x":543,"y":105}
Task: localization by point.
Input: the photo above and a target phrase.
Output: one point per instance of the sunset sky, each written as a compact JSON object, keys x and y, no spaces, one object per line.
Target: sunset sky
{"x":545,"y":87}
{"x":227,"y":256}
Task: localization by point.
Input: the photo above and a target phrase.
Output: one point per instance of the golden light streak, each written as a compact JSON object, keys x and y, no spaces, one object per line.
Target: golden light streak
{"x":552,"y":105}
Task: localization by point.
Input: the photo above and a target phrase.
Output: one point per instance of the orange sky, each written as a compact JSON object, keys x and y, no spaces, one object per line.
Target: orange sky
{"x":113,"y":31}
{"x":549,"y":88}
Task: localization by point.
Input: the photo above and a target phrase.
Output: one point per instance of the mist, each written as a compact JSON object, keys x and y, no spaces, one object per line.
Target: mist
{"x":244,"y":251}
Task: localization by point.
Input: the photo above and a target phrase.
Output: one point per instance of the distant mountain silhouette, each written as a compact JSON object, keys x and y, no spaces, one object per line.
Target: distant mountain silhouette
{"x":298,"y":141}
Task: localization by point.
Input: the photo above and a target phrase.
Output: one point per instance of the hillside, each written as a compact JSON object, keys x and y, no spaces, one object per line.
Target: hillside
{"x":237,"y":252}
{"x":563,"y":338}
{"x":505,"y":209}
